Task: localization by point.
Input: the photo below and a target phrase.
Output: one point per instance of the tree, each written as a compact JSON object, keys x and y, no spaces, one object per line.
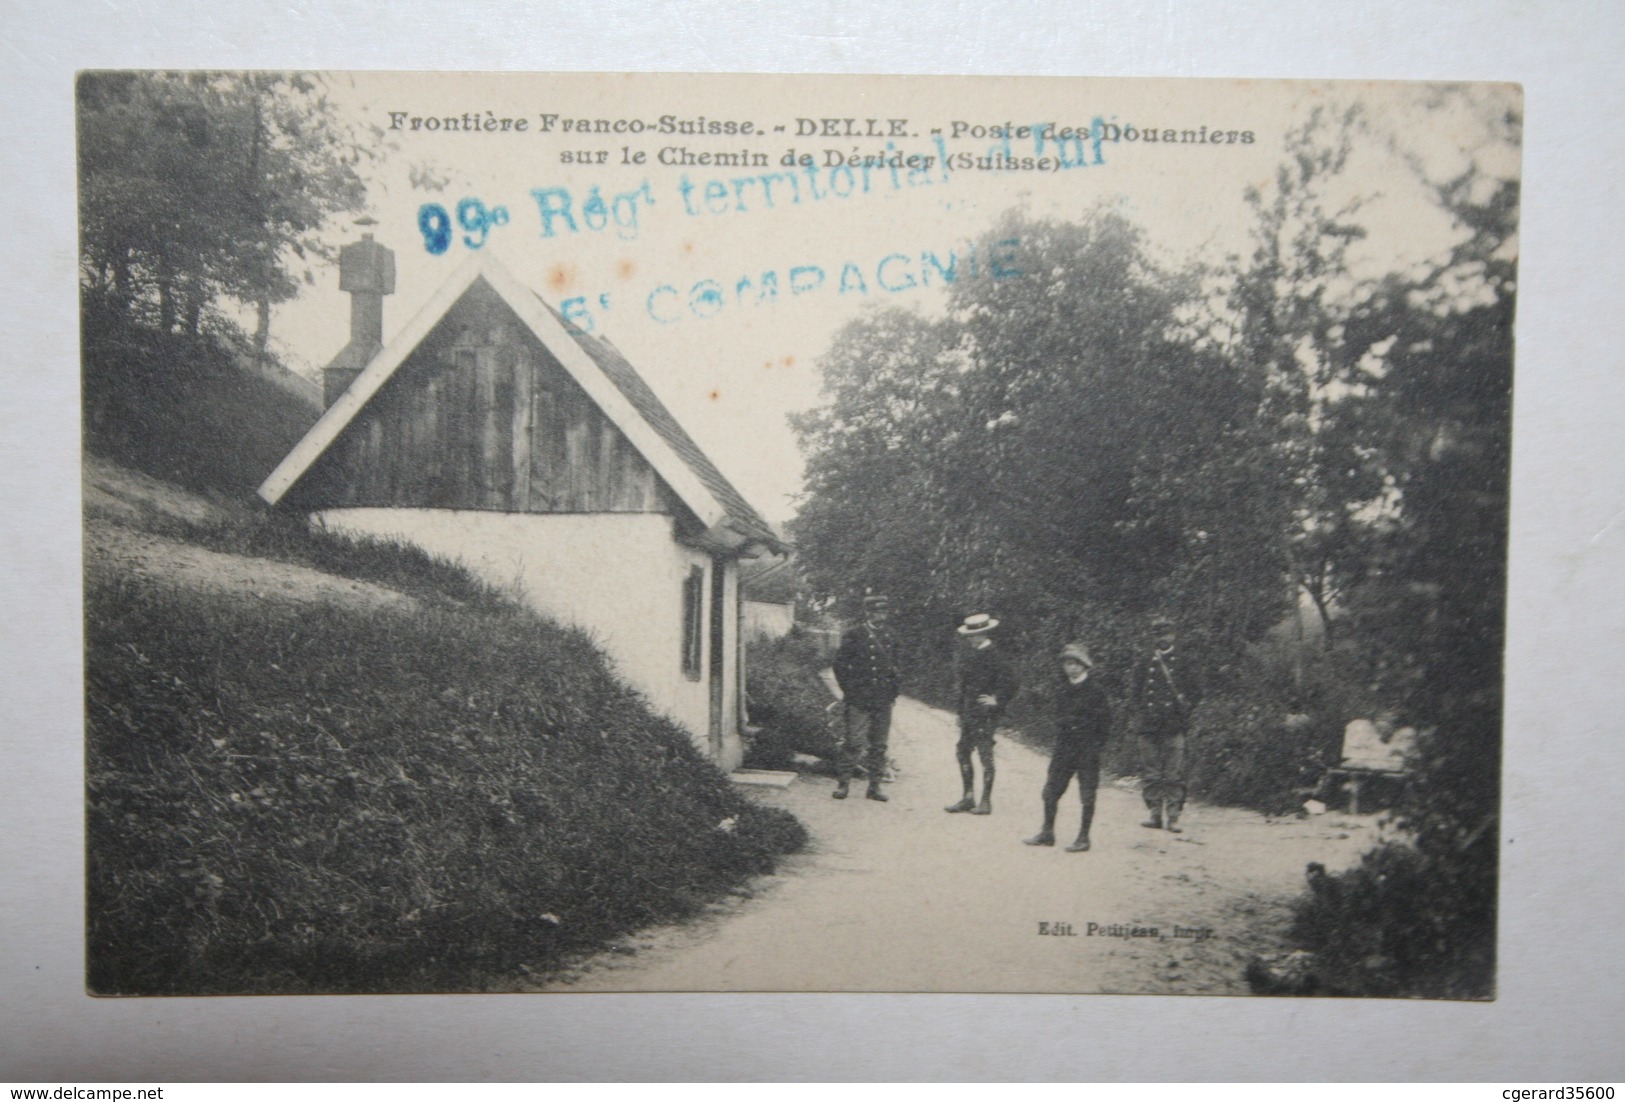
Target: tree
{"x":873,"y":510}
{"x":200,"y":186}
{"x":1065,"y":448}
{"x":1127,"y":447}
{"x":1428,"y":375}
{"x":1444,"y":591}
{"x":1292,"y":301}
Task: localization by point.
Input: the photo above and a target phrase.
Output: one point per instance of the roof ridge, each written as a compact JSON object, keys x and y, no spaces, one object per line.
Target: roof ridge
{"x":613,"y":362}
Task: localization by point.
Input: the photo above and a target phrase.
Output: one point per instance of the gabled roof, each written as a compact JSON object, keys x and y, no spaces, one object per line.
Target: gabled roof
{"x":609,"y":380}
{"x":644,"y":400}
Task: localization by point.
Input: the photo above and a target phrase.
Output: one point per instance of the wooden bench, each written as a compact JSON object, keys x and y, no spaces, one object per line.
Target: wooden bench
{"x":1373,"y":751}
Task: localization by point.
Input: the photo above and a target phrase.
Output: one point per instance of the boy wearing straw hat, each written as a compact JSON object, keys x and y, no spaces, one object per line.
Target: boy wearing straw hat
{"x":987,"y":684}
{"x":1083,"y":723}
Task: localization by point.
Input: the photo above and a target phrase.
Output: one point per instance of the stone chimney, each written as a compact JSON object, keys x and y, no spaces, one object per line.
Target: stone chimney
{"x":367,"y":272}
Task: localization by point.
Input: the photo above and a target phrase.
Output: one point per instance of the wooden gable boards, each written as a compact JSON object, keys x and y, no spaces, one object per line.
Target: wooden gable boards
{"x":649,"y":441}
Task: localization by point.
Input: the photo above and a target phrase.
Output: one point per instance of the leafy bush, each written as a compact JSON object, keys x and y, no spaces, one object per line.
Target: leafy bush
{"x":302,"y":798}
{"x":1244,"y":754}
{"x":788,"y":701}
{"x":1403,"y":923}
{"x":1271,"y":728}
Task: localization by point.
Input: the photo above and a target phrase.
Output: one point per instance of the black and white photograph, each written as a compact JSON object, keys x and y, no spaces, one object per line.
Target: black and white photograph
{"x":560,"y":533}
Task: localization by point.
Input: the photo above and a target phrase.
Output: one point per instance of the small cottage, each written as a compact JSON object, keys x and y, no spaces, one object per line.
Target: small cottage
{"x":490,"y":431}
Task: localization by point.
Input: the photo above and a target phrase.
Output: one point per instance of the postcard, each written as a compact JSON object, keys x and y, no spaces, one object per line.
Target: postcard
{"x":614,"y":532}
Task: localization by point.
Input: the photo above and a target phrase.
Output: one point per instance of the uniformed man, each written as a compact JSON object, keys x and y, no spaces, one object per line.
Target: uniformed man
{"x":987,"y":684}
{"x":866,"y":671}
{"x":1165,"y":691}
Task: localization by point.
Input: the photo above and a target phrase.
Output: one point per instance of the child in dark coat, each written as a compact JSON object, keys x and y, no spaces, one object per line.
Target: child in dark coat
{"x":1083,"y":724}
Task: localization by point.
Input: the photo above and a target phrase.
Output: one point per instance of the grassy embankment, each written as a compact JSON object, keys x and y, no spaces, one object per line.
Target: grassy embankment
{"x":445,"y":793}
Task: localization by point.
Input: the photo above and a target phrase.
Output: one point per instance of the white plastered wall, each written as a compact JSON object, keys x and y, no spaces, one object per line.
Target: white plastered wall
{"x":617,"y":575}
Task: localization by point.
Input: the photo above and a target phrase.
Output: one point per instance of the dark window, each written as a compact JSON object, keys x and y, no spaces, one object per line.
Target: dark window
{"x":693,"y":611}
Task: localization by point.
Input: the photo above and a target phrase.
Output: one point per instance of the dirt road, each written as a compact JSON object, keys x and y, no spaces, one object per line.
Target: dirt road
{"x":903,"y":897}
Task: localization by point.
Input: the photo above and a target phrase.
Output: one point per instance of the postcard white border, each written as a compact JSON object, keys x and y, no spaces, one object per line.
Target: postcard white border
{"x":1562,"y":992}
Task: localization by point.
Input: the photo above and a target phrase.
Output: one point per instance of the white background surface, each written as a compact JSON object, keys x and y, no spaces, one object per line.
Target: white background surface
{"x":1562,"y":991}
